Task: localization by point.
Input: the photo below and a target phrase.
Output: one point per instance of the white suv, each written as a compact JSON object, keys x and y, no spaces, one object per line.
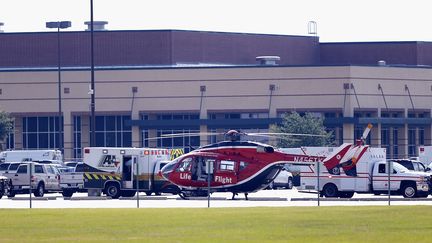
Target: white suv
{"x":283,"y":180}
{"x":44,"y":178}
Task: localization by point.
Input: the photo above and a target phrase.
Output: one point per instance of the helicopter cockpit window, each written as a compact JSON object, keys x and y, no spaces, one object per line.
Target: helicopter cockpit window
{"x":243,"y":165}
{"x":185,"y":165}
{"x":227,"y":165}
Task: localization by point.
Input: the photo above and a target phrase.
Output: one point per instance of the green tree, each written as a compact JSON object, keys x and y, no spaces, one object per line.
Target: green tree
{"x":6,"y":126}
{"x":293,"y":123}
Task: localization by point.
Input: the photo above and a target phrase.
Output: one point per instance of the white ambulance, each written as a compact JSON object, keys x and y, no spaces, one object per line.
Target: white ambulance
{"x":43,"y":156}
{"x":372,"y":177}
{"x":120,"y":171}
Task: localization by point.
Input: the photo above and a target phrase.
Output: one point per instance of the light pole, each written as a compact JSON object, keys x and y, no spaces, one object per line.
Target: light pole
{"x":59,"y":25}
{"x":92,"y":84}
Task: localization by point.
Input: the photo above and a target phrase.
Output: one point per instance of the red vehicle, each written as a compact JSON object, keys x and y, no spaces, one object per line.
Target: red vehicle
{"x":237,"y":166}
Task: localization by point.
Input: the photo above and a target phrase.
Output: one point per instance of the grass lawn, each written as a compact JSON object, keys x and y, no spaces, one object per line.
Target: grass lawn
{"x":261,"y":224}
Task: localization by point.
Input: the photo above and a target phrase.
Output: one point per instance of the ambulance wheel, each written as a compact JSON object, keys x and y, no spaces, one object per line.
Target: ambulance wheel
{"x":330,"y":190}
{"x":113,"y":190}
{"x":409,"y":191}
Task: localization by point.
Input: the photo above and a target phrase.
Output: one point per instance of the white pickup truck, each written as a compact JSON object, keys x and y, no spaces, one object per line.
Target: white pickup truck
{"x":71,"y":182}
{"x":43,"y":178}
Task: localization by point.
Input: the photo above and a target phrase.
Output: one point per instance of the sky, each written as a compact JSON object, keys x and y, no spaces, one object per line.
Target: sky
{"x":337,"y":20}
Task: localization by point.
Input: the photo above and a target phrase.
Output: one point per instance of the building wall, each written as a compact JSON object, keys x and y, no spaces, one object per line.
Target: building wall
{"x":350,"y":93}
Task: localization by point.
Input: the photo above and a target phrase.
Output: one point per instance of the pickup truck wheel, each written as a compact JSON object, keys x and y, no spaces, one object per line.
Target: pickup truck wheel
{"x":330,"y":190}
{"x":148,"y":193}
{"x":40,"y":189}
{"x":409,"y":191}
{"x":113,"y":190}
{"x":290,"y":183}
{"x":67,"y":193}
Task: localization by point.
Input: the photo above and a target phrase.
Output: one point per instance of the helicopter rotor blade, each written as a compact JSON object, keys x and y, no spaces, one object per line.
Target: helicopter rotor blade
{"x":284,"y":134}
{"x":190,"y":134}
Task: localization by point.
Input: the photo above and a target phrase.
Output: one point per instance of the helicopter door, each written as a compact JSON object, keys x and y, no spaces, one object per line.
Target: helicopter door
{"x":226,"y":173}
{"x":128,"y":171}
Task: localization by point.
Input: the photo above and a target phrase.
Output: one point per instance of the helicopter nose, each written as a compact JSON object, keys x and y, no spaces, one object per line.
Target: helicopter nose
{"x":166,"y":171}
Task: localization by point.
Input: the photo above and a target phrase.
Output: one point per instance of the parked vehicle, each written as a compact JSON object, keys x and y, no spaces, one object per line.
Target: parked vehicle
{"x":283,"y":180}
{"x":4,"y":186}
{"x":372,"y":177}
{"x":413,"y":165}
{"x":114,"y":170}
{"x":9,"y":167}
{"x":72,"y":181}
{"x":55,"y":156}
{"x":43,"y":178}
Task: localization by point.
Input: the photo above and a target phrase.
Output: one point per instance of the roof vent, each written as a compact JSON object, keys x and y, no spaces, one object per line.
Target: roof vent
{"x":1,"y":24}
{"x":382,"y":63}
{"x":268,"y":60}
{"x":97,"y":25}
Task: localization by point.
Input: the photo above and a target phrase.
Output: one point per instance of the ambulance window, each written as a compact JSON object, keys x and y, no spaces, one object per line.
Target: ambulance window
{"x":381,"y":168}
{"x":227,"y":165}
{"x":185,"y":165}
{"x":243,"y":165}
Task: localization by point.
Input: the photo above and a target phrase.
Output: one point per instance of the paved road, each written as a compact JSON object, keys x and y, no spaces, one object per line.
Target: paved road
{"x":266,"y":198}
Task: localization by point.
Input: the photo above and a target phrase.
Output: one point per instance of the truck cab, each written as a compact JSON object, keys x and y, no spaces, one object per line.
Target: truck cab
{"x":404,"y":182}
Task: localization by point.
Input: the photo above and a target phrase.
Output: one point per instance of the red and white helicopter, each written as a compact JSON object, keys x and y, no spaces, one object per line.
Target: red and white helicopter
{"x":243,"y":166}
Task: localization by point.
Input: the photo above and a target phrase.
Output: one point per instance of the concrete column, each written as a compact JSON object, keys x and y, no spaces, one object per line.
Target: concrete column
{"x":376,"y":132}
{"x":152,"y":133}
{"x":203,"y":116}
{"x":403,"y":139}
{"x":348,"y":111}
{"x":136,"y":141}
{"x":67,"y":135}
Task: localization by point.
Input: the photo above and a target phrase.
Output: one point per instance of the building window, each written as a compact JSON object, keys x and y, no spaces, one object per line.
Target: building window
{"x":187,"y":142}
{"x":111,"y":131}
{"x":77,"y":150}
{"x":385,"y":140}
{"x":411,"y":141}
{"x":395,"y":142}
{"x":41,"y":132}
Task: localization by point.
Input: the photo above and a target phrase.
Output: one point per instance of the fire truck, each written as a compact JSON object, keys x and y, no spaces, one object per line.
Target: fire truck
{"x":124,"y":171}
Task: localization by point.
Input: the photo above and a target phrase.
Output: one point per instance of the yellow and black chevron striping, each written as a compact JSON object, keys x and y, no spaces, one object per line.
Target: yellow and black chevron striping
{"x":97,"y":176}
{"x":176,"y":153}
